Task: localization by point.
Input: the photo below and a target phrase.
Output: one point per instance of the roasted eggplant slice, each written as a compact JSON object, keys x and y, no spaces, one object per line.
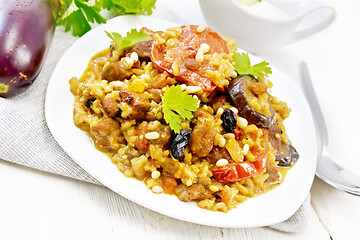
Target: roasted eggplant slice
{"x":286,"y":155}
{"x":275,"y":141}
{"x":240,"y":91}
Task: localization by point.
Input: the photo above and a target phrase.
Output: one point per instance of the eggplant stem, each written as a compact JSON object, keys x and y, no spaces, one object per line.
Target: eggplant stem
{"x":4,"y":88}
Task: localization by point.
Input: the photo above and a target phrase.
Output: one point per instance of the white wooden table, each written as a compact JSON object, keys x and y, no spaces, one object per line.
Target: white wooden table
{"x":38,"y":205}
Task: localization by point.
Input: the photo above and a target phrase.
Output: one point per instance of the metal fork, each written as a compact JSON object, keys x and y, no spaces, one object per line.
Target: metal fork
{"x":326,"y":169}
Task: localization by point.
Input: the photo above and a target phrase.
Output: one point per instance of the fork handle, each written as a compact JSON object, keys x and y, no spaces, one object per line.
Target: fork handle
{"x":314,"y":104}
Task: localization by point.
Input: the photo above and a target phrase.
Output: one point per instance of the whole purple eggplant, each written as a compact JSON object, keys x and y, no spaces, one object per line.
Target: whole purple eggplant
{"x":26,"y":31}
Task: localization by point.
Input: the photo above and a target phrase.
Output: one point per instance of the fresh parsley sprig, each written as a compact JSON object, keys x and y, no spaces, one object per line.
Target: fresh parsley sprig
{"x":243,"y":66}
{"x":177,"y":105}
{"x":76,"y":15}
{"x":132,"y":37}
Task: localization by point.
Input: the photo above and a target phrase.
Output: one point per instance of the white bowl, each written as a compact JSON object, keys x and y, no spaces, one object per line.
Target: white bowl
{"x":268,"y":25}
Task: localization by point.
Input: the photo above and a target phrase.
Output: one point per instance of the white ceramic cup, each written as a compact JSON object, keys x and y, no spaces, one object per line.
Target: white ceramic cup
{"x":267,"y":25}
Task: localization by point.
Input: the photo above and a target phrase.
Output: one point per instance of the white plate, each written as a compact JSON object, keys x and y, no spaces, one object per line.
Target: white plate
{"x":269,"y":208}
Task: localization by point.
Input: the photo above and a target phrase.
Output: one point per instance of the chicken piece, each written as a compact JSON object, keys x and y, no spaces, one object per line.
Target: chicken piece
{"x":156,"y":95}
{"x":138,"y":105}
{"x":219,"y":153}
{"x":116,"y":72}
{"x":106,"y":134}
{"x":202,"y":137}
{"x":165,"y":135}
{"x":194,"y":192}
{"x":143,"y":50}
{"x":111,"y":106}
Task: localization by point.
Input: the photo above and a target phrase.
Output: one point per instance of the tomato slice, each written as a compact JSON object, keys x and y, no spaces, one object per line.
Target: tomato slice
{"x":237,"y":171}
{"x":187,"y":48}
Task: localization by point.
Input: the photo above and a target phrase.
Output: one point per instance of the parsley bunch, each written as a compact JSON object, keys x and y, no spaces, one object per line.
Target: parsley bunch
{"x":78,"y":14}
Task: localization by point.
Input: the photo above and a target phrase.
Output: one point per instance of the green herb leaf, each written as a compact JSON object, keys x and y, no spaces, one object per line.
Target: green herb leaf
{"x":132,"y":37}
{"x":76,"y":15}
{"x":105,"y":4}
{"x":178,"y":105}
{"x":134,"y":6}
{"x":243,"y":66}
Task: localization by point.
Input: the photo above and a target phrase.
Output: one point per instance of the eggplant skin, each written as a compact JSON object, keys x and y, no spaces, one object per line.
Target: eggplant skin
{"x":237,"y":92}
{"x":286,"y":155}
{"x":26,"y":31}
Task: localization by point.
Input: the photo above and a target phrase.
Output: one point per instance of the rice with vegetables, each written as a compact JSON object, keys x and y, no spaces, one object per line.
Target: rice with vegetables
{"x":183,"y":112}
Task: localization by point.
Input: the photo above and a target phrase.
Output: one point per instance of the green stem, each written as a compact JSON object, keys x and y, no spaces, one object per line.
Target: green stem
{"x":56,"y":5}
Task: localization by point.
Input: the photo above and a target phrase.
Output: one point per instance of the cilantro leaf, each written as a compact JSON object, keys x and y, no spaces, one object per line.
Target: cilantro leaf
{"x":173,"y":119}
{"x":105,"y":4}
{"x":134,"y":6}
{"x":77,"y":14}
{"x":243,"y":66}
{"x":177,"y":105}
{"x":132,"y":37}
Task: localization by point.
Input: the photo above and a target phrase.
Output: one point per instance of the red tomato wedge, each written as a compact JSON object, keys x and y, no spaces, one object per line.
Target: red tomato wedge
{"x":187,"y":48}
{"x":237,"y":171}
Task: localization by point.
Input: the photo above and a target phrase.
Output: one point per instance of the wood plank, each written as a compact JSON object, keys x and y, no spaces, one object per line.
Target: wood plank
{"x":46,"y":206}
{"x":339,"y":211}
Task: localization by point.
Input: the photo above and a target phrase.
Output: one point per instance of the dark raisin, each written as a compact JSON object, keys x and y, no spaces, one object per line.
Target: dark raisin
{"x":178,"y":145}
{"x":228,"y":120}
{"x":89,"y":102}
{"x":118,"y":114}
{"x":217,"y":196}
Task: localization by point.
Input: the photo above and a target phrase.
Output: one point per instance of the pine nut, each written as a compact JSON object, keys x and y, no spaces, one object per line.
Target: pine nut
{"x":129,"y":62}
{"x":235,"y":110}
{"x":152,"y":135}
{"x":155,"y":174}
{"x":199,"y":56}
{"x":193,"y":89}
{"x":242,"y":122}
{"x":157,"y":189}
{"x":219,"y":111}
{"x":234,"y":74}
{"x":175,"y":69}
{"x":222,"y":142}
{"x":229,"y":136}
{"x":246,"y":149}
{"x":205,"y":47}
{"x":201,"y":28}
{"x":222,"y":162}
{"x":183,"y":87}
{"x":134,"y":56}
